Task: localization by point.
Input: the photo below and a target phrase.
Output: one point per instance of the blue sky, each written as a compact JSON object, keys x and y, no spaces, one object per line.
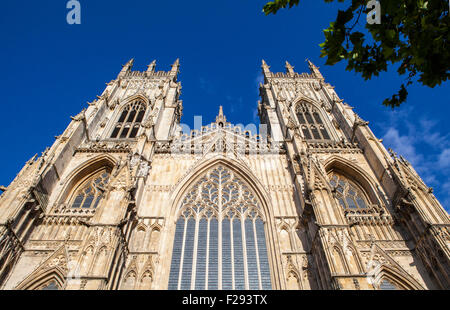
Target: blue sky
{"x":51,"y":69}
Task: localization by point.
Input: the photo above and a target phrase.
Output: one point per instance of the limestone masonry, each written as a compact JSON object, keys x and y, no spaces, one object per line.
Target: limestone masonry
{"x":125,"y":200}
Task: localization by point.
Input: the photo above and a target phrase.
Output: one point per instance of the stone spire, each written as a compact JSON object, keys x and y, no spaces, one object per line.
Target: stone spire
{"x":314,"y":70}
{"x":176,"y":66}
{"x":221,"y":117}
{"x":151,"y":67}
{"x":126,"y":68}
{"x":265,"y":67}
{"x":289,"y":69}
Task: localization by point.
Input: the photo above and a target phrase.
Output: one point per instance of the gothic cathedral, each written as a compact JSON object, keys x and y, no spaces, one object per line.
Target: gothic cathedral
{"x":125,"y":200}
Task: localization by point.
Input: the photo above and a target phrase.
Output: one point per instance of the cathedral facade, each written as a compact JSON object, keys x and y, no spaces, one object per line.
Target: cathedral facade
{"x":125,"y":200}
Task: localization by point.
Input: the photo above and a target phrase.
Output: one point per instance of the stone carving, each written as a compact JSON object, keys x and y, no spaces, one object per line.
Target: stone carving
{"x":104,"y":147}
{"x":144,"y":168}
{"x":276,"y":180}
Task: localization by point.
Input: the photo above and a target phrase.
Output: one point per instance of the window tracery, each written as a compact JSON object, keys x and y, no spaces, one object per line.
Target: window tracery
{"x":89,"y":194}
{"x":348,"y":194}
{"x":387,"y":285}
{"x":311,"y":123}
{"x":220,"y":240}
{"x":50,"y":286}
{"x":129,"y":121}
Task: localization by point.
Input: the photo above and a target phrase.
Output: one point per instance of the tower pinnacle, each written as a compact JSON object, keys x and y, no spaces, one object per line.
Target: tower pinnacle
{"x":176,"y":66}
{"x":151,"y":67}
{"x":265,"y":67}
{"x":221,"y":119}
{"x":126,"y":68}
{"x":314,"y":70}
{"x":289,"y":69}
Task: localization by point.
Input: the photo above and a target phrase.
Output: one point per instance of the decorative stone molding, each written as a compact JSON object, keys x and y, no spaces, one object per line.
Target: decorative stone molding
{"x":64,"y":210}
{"x":368,"y":219}
{"x":160,"y":188}
{"x":333,"y":147}
{"x":388,"y":244}
{"x":314,"y":237}
{"x":105,"y":147}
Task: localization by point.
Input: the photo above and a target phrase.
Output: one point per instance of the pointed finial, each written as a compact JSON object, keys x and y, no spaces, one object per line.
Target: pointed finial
{"x":221,"y":119}
{"x":129,"y":64}
{"x":176,"y":63}
{"x":126,"y":68}
{"x":176,"y":66}
{"x":289,"y":68}
{"x":314,"y":70}
{"x":151,"y":66}
{"x":265,"y":68}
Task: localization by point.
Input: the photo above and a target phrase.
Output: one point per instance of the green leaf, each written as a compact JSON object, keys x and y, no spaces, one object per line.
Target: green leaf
{"x":414,"y":35}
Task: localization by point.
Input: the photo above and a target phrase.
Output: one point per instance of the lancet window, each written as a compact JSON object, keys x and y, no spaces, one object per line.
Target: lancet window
{"x":311,"y":123}
{"x":129,"y":121}
{"x":348,"y":194}
{"x":90,"y":192}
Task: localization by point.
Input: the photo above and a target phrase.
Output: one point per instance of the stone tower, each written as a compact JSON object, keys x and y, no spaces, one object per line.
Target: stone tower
{"x":125,"y":200}
{"x":399,"y":228}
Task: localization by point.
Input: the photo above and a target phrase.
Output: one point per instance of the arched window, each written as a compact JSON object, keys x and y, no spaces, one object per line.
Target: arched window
{"x":51,"y":282}
{"x":311,"y":123}
{"x":90,"y":192}
{"x":130,"y":121}
{"x":349,"y":195}
{"x":50,"y":286}
{"x":129,"y":282}
{"x":387,"y":285}
{"x":220,"y":241}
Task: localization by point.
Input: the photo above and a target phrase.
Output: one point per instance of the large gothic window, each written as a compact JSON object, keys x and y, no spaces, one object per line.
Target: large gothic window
{"x":311,"y":123}
{"x":90,"y":192}
{"x":349,"y":195}
{"x":130,"y":120}
{"x":220,"y":241}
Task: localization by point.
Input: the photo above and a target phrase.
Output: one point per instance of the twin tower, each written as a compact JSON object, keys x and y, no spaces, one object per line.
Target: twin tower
{"x":125,"y":200}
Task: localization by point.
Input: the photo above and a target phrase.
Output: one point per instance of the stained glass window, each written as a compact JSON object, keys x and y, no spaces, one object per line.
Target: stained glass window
{"x":176,"y":255}
{"x":349,"y":196}
{"x":129,"y":121}
{"x":188,"y":255}
{"x":387,"y":285}
{"x":201,"y":254}
{"x":251,"y":255}
{"x":239,"y":273}
{"x":227,"y":279}
{"x":263,"y":258}
{"x":213,"y":247}
{"x":311,"y":123}
{"x":90,"y":193}
{"x":225,"y":230}
{"x":51,"y":286}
